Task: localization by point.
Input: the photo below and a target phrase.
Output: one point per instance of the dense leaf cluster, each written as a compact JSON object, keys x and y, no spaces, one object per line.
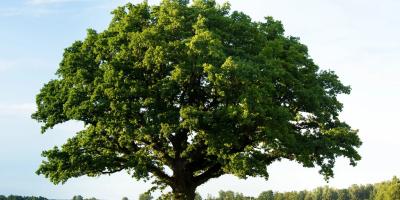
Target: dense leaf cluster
{"x":194,"y":88}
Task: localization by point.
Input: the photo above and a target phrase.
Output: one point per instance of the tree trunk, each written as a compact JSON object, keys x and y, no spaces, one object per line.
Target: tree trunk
{"x":184,"y":188}
{"x":186,"y":193}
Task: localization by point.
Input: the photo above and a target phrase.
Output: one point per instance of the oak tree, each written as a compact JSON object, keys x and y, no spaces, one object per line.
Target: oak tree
{"x":184,"y":92}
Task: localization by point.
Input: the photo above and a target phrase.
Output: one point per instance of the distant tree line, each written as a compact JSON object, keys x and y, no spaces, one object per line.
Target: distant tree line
{"x":387,"y":190}
{"x":15,"y":197}
{"x":79,"y":197}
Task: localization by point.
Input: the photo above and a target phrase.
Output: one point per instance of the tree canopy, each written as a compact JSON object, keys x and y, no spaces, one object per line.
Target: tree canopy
{"x":194,"y":88}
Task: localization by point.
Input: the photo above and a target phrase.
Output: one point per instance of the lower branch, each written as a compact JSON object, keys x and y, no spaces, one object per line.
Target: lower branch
{"x":159,"y":173}
{"x":212,"y":172}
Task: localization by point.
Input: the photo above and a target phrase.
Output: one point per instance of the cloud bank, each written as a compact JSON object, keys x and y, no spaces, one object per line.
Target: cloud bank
{"x":12,"y":110}
{"x":46,"y":2}
{"x":6,"y":64}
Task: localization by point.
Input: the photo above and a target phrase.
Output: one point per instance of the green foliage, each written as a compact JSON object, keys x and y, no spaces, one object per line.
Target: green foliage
{"x":267,"y":195}
{"x":198,"y":197}
{"x":196,"y":88}
{"x":145,"y":196}
{"x":230,"y":195}
{"x":388,"y":190}
{"x":77,"y":197}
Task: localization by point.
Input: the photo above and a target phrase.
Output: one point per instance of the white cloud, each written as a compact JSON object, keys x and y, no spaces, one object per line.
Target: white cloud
{"x":14,"y":64}
{"x":13,"y":109}
{"x":6,"y":64}
{"x":10,"y":12}
{"x":35,"y":8}
{"x":26,"y":11}
{"x":46,"y":2}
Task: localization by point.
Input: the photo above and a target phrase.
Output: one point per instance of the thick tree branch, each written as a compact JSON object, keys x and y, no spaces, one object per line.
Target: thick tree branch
{"x":163,"y":152}
{"x":160,"y":174}
{"x":179,"y":142}
{"x":212,"y":172}
{"x":109,"y":172}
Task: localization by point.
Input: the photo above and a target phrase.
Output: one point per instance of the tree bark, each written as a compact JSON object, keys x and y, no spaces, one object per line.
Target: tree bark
{"x":184,"y":187}
{"x":183,"y":192}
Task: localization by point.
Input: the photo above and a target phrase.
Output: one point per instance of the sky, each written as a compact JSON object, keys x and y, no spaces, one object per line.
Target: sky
{"x":358,"y":39}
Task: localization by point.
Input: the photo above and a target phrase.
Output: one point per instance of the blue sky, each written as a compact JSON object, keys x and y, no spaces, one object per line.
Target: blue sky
{"x":359,"y":39}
